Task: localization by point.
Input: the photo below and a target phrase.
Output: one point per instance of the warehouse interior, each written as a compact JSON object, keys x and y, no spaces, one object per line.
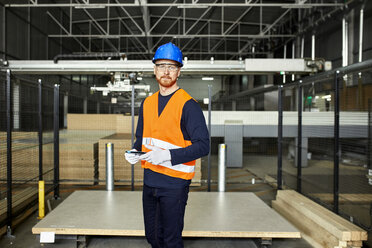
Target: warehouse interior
{"x":285,"y":85}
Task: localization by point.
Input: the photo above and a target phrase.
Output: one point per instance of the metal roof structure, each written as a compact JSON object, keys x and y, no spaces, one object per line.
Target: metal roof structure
{"x":223,"y":29}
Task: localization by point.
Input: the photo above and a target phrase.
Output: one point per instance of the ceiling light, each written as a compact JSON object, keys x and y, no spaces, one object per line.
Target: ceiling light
{"x":192,"y":6}
{"x":297,"y":6}
{"x":326,"y":97}
{"x":207,"y":78}
{"x":90,"y":6}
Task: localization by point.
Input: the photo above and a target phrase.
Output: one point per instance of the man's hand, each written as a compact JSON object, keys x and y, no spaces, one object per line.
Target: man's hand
{"x":132,"y":158}
{"x":156,"y":155}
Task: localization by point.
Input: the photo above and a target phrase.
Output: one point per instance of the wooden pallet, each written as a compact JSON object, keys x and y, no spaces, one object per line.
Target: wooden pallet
{"x":319,"y":226}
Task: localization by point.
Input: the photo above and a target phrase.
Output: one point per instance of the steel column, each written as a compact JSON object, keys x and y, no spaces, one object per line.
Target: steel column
{"x":132,"y":140}
{"x":210,"y":131}
{"x":4,"y":34}
{"x":336,"y":144}
{"x":280,"y":136}
{"x":9,"y":152}
{"x":299,"y":139}
{"x":369,"y":144}
{"x":56,"y":141}
{"x":40,"y":131}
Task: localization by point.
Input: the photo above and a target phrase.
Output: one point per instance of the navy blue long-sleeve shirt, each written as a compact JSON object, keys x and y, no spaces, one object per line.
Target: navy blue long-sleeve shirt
{"x":193,"y":128}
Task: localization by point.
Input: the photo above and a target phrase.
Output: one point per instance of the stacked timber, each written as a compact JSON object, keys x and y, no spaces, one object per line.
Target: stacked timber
{"x":319,"y":226}
{"x":20,"y":200}
{"x":25,"y":156}
{"x":79,"y":155}
{"x":122,"y":169}
{"x":117,"y":122}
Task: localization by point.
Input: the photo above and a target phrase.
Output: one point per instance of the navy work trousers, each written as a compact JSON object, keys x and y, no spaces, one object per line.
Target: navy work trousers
{"x":163,"y":212}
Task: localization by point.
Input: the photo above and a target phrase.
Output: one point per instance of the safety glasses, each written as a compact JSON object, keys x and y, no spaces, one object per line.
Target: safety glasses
{"x":164,"y":66}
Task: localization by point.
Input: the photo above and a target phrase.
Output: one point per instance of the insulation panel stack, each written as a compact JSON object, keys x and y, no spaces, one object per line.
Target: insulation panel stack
{"x":79,"y":156}
{"x":319,"y":226}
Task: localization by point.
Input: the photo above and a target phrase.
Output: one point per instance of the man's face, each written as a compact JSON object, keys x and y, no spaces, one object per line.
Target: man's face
{"x":166,"y":72}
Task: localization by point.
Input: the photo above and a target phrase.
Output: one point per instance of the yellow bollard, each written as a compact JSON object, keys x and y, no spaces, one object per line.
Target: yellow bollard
{"x":41,"y":200}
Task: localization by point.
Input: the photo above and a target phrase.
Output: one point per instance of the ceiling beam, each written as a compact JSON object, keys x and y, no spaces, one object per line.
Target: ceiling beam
{"x":66,"y":31}
{"x":176,"y":36}
{"x":147,"y":24}
{"x":176,"y":5}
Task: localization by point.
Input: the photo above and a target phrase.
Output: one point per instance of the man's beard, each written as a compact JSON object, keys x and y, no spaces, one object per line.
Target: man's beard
{"x":166,"y":83}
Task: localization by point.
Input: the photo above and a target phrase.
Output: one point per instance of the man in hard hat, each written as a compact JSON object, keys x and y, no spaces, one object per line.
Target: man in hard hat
{"x":171,"y":130}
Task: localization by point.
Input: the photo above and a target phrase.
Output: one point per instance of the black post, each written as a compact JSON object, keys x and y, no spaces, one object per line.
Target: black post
{"x":336,"y":145}
{"x":369,"y":144}
{"x":299,"y":139}
{"x":280,"y":136}
{"x":210,"y":130}
{"x":56,"y":141}
{"x":5,"y":30}
{"x":40,"y":131}
{"x":132,"y":184}
{"x":9,"y":151}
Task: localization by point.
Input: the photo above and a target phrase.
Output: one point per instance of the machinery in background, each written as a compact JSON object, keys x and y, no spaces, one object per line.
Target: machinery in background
{"x":119,"y":88}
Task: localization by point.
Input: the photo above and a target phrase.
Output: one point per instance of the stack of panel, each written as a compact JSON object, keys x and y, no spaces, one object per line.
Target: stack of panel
{"x":79,"y":156}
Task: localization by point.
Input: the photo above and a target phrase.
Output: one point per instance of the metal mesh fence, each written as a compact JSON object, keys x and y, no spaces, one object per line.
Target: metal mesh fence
{"x":327,"y":173}
{"x":48,"y":135}
{"x":314,"y":170}
{"x":355,"y":190}
{"x":318,"y":139}
{"x":25,"y":145}
{"x":25,"y":152}
{"x":3,"y":135}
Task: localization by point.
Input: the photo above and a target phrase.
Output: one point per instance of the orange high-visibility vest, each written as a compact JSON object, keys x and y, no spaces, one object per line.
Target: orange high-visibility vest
{"x":164,"y":131}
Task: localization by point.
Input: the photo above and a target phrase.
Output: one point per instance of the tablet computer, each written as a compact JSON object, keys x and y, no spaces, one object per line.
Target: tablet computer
{"x":135,"y":152}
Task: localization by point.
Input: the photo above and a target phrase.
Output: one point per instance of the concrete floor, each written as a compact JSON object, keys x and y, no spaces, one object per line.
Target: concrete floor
{"x":238,"y":179}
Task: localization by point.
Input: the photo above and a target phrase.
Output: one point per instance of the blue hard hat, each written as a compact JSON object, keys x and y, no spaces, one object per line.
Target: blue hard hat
{"x":168,"y":51}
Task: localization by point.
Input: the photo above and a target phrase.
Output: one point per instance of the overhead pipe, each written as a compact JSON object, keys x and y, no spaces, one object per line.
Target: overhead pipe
{"x":89,"y":56}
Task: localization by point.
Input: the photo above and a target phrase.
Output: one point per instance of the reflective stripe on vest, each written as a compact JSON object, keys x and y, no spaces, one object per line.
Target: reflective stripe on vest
{"x":164,"y":131}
